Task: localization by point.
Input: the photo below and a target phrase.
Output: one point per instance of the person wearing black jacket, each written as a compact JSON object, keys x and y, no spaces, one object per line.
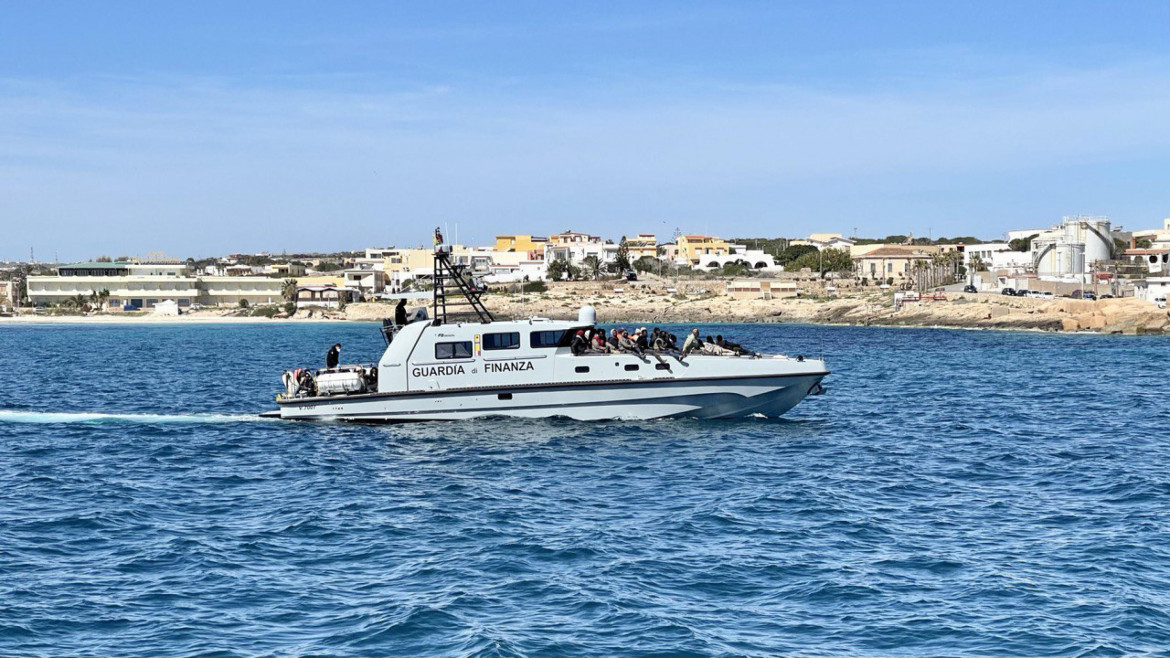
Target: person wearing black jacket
{"x":333,"y":356}
{"x":579,"y":344}
{"x":400,"y":313}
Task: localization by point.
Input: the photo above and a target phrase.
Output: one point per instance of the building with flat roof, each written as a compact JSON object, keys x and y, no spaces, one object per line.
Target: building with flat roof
{"x":531,"y":245}
{"x":142,"y":285}
{"x":761,"y":289}
{"x":693,"y":249}
{"x":643,"y":245}
{"x":572,"y":237}
{"x":824,"y":241}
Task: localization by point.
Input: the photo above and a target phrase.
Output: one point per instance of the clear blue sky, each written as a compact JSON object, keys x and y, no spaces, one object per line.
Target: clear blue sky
{"x":201,"y":128}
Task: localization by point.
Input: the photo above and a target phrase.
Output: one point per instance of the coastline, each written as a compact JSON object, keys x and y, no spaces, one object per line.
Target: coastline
{"x":562,"y":301}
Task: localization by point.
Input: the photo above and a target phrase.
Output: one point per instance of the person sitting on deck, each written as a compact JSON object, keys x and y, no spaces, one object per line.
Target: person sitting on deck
{"x":579,"y":345}
{"x":599,"y":344}
{"x":734,"y":348}
{"x":641,"y":340}
{"x":712,"y":347}
{"x":671,"y":341}
{"x":692,"y":344}
{"x":626,"y":344}
{"x":613,"y":340}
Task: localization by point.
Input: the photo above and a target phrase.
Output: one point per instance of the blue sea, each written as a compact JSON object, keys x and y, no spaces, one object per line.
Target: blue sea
{"x":955,"y":492}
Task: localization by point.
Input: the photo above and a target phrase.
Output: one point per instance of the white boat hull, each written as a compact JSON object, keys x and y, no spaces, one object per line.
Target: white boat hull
{"x":719,"y":397}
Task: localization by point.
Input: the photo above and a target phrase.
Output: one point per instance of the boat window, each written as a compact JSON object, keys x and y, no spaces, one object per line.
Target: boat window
{"x":582,"y":368}
{"x":454,"y":350}
{"x":545,"y":338}
{"x":632,"y":366}
{"x":505,"y":341}
{"x":504,"y":396}
{"x":662,"y":366}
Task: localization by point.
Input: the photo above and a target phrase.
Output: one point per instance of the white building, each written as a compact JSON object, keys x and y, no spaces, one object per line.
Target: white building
{"x":998,"y":256}
{"x":1152,"y":289}
{"x":143,"y":285}
{"x":576,"y":252}
{"x":824,"y":241}
{"x":753,"y":258}
{"x":368,"y":282}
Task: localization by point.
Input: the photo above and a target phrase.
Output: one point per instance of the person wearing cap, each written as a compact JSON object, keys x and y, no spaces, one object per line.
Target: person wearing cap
{"x":641,"y":339}
{"x":579,"y":344}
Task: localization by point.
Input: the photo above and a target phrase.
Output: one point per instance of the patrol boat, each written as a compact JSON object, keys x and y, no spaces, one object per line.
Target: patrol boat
{"x":463,"y":363}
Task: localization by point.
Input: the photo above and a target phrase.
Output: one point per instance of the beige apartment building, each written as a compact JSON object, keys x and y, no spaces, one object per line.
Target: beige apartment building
{"x":891,"y":261}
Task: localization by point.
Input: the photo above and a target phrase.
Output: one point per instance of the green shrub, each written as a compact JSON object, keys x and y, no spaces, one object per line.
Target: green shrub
{"x":535,"y":286}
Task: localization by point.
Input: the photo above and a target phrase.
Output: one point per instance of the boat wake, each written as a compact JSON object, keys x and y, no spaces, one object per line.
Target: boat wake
{"x":60,"y":417}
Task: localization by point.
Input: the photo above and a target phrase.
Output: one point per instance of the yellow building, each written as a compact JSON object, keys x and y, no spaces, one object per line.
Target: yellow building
{"x":521,"y":244}
{"x":692,"y":248}
{"x":642,"y":246}
{"x":335,"y":281}
{"x":409,"y":260}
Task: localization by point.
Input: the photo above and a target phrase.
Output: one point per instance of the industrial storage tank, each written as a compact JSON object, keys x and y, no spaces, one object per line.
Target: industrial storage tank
{"x":1073,"y":247}
{"x":1096,"y":234}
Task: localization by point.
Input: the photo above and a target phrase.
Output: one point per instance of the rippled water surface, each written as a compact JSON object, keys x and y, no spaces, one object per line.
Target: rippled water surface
{"x":963,"y":493}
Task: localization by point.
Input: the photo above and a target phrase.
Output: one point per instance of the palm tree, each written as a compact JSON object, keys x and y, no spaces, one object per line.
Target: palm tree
{"x":593,"y":266}
{"x":288,"y":289}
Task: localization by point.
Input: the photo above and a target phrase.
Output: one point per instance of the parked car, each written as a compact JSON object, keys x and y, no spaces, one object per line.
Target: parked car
{"x":1160,"y":301}
{"x":631,"y":275}
{"x":1010,"y":292}
{"x":1045,"y":295}
{"x":1106,"y":296}
{"x":1092,"y":297}
{"x":970,"y":288}
{"x":1021,"y":293}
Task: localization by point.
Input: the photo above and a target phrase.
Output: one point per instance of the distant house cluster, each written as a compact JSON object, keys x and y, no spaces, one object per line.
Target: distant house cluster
{"x":1078,"y":251}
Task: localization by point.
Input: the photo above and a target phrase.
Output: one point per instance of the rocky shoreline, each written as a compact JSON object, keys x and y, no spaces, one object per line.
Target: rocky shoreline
{"x":562,"y":301}
{"x":958,"y":310}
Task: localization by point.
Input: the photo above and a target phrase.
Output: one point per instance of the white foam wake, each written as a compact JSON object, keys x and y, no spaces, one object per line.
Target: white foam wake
{"x":11,"y":416}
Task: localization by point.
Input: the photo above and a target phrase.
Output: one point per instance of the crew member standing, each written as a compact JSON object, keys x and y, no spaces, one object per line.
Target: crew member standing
{"x":400,"y":312}
{"x":333,"y":356}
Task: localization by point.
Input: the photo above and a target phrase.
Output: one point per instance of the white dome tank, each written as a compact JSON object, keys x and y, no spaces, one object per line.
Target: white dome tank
{"x":587,"y":315}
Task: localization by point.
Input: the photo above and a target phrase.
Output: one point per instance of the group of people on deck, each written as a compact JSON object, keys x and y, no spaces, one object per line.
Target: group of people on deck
{"x":657,"y":341}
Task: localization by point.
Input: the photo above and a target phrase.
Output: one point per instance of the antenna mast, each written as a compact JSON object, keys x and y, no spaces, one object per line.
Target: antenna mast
{"x":453,"y":287}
